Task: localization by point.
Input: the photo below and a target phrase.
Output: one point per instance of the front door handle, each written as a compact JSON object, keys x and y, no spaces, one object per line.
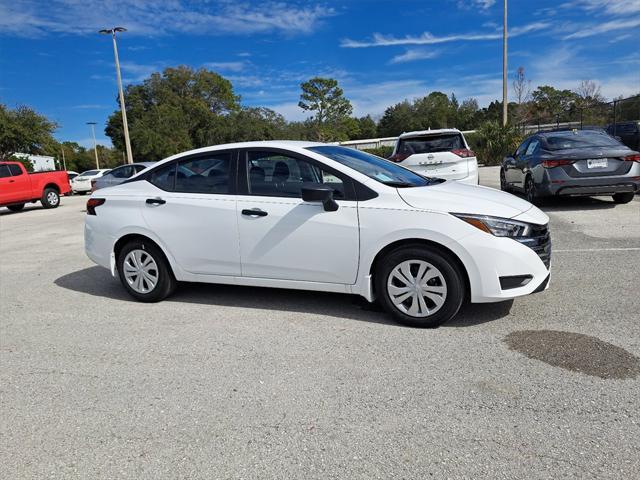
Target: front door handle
{"x":155,"y":201}
{"x":255,"y":213}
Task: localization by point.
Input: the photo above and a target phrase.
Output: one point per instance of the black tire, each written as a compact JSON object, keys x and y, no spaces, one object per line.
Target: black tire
{"x":16,"y":208}
{"x":623,"y":197}
{"x":447,"y":267}
{"x":504,"y":186}
{"x":50,"y":198}
{"x":531,"y":191}
{"x":166,"y":281}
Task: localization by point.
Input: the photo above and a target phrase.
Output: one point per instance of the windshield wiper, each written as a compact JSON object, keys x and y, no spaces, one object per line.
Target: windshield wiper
{"x":399,"y":184}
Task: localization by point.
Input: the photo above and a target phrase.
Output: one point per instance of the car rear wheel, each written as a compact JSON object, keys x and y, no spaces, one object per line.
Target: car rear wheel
{"x":145,"y":272}
{"x":420,"y":287}
{"x":50,"y":198}
{"x":16,"y":208}
{"x":623,"y":197}
{"x":531,"y":192}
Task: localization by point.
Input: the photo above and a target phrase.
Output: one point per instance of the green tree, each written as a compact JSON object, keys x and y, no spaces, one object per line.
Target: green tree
{"x":173,"y":111}
{"x":494,"y":141}
{"x":326,"y":99}
{"x":255,"y":123}
{"x":433,"y":111}
{"x":468,"y":114}
{"x":397,"y":119}
{"x":23,"y":130}
{"x":366,"y":128}
{"x":550,"y":103}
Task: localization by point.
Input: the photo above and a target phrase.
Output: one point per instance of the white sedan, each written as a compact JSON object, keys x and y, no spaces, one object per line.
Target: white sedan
{"x":320,"y":217}
{"x":82,"y":183}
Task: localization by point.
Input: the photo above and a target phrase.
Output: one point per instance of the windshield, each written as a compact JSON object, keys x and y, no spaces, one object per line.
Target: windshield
{"x":580,"y":139}
{"x":89,"y":173}
{"x":373,"y":167}
{"x":430,"y":143}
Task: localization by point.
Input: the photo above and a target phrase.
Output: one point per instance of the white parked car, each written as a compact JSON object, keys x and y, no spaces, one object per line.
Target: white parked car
{"x":82,"y":183}
{"x":440,"y":153}
{"x":321,"y":217}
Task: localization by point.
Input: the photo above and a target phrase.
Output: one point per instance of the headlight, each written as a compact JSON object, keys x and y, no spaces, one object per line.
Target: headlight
{"x":500,"y":227}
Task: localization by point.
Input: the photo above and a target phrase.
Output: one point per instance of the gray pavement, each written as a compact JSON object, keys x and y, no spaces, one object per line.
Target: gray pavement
{"x":232,"y":382}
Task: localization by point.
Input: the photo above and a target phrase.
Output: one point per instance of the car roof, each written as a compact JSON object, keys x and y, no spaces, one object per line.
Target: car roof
{"x":420,"y":133}
{"x":286,"y":144}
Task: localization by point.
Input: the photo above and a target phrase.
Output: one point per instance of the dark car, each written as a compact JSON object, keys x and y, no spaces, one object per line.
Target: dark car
{"x":572,"y":162}
{"x":627,"y":132}
{"x":118,"y":175}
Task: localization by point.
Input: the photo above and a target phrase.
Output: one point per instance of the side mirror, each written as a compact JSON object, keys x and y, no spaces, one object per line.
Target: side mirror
{"x":319,"y":193}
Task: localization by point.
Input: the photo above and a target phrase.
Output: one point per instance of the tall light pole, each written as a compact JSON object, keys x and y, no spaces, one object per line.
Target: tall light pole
{"x":125,"y":126}
{"x":505,"y":103}
{"x":95,"y":144}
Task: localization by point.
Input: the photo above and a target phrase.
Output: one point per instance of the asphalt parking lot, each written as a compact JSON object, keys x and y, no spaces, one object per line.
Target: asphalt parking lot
{"x":234,"y":382}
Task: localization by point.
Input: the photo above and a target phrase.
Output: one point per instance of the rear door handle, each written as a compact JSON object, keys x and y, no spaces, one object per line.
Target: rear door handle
{"x":255,"y":212}
{"x":155,"y":201}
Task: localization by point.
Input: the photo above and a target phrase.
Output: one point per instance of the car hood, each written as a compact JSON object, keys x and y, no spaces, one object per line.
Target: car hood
{"x":456,"y":197}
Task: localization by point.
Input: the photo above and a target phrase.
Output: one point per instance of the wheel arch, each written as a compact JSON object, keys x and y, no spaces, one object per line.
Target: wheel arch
{"x":430,"y":244}
{"x":53,"y":186}
{"x":123,"y":240}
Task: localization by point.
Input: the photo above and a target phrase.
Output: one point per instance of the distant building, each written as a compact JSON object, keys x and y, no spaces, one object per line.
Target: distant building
{"x":41,"y":163}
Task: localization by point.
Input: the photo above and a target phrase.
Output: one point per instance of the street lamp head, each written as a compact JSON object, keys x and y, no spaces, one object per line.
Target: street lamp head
{"x":112,"y":31}
{"x":91,"y":123}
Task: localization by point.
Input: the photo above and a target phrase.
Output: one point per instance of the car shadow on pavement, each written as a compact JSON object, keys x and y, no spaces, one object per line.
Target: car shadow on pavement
{"x":570,"y":204}
{"x":97,"y":281}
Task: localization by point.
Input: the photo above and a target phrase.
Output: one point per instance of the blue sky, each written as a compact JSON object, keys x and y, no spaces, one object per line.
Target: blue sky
{"x":52,"y":59}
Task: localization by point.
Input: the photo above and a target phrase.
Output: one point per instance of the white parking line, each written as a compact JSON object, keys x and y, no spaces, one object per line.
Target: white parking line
{"x":622,"y":249}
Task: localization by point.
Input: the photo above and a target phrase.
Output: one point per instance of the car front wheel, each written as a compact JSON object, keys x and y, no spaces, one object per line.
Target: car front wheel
{"x":145,"y":272}
{"x":504,"y":186}
{"x":420,"y":287}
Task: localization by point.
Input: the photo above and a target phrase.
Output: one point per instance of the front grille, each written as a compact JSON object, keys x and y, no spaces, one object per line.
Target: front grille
{"x":540,"y":242}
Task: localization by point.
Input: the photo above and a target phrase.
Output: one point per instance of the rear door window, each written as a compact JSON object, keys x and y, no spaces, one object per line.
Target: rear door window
{"x":431,"y":143}
{"x":204,"y":174}
{"x":15,"y":170}
{"x":122,"y":172}
{"x":4,"y":171}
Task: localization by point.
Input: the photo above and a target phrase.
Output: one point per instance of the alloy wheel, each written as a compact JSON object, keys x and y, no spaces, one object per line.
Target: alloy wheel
{"x":417,"y":288}
{"x":52,"y":198}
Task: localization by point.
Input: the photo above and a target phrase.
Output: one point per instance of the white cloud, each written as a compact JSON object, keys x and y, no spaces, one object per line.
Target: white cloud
{"x":226,"y":66}
{"x":427,"y":38}
{"x":413,"y":54}
{"x":611,"y":7}
{"x":599,"y":28}
{"x":30,"y":18}
{"x":477,"y":4}
{"x":135,"y":72}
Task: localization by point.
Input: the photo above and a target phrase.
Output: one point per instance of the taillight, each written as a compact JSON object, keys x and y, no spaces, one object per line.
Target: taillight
{"x":556,"y":163}
{"x":463,"y":152}
{"x":399,"y":157}
{"x":92,"y":203}
{"x":632,"y":158}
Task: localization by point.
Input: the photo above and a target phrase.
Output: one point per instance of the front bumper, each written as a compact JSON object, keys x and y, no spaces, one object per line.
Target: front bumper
{"x":488,"y":258}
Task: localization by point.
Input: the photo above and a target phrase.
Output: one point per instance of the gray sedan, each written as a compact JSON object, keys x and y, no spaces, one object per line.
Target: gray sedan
{"x":119,"y":175}
{"x":572,"y":162}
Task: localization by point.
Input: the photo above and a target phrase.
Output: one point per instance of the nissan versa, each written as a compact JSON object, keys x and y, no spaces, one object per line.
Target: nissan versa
{"x":318,"y":217}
